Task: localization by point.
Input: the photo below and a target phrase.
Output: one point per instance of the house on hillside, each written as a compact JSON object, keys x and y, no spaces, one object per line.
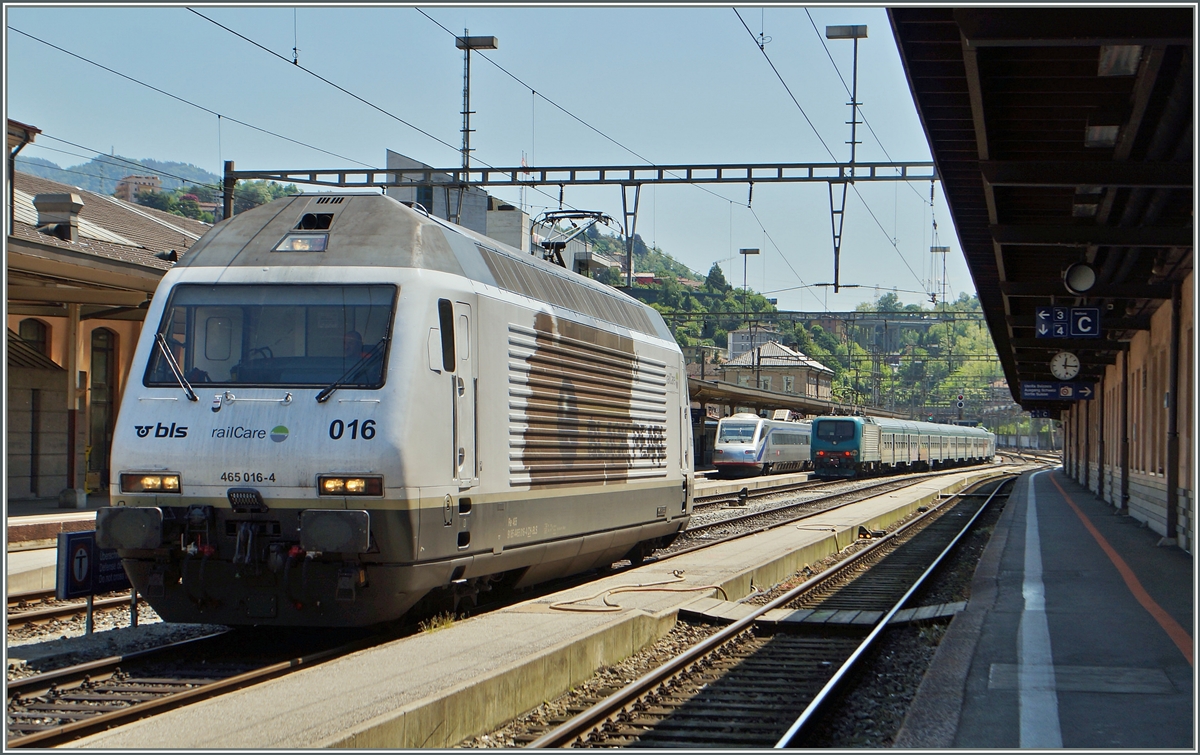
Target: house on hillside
{"x":129,"y":186}
{"x":744,"y":339}
{"x":775,"y":367}
{"x":81,"y":269}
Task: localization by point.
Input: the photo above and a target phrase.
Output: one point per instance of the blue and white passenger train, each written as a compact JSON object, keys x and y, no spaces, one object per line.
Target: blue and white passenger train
{"x":340,"y":405}
{"x":857,"y":446}
{"x":749,"y":445}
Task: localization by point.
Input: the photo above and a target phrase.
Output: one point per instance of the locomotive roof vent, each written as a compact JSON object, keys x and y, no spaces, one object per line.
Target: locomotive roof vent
{"x":330,"y":200}
{"x":315,"y":221}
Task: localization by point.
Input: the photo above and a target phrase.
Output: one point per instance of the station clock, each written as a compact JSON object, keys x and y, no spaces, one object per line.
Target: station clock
{"x":1064,"y":365}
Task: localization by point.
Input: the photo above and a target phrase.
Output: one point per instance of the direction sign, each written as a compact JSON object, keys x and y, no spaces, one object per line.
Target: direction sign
{"x":1056,"y":391}
{"x":84,"y":569}
{"x":1085,"y":322}
{"x":1067,"y":322}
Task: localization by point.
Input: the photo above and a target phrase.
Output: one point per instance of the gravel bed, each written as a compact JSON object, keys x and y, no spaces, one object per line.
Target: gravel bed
{"x":39,"y":648}
{"x":606,"y":681}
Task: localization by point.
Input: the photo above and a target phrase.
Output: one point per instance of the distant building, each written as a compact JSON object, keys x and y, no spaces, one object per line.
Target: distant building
{"x":129,"y":186}
{"x":775,"y":367}
{"x":490,"y":216}
{"x":745,"y":339}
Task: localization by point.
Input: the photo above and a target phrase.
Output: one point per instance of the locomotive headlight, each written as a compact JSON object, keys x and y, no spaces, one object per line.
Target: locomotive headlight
{"x":150,"y":483}
{"x":342,"y":485}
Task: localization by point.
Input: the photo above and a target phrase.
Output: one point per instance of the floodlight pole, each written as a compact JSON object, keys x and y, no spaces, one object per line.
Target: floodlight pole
{"x":467,"y":43}
{"x":837,"y":212}
{"x":745,"y":285}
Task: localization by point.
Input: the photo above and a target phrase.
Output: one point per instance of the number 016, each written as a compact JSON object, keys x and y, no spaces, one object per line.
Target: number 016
{"x":338,"y":429}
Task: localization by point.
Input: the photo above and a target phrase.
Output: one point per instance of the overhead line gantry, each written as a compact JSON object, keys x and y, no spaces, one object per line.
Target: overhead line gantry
{"x":630,"y":178}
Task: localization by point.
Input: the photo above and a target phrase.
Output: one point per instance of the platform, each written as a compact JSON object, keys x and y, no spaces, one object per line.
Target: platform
{"x":1077,"y":635}
{"x":32,"y":537}
{"x":427,"y":690}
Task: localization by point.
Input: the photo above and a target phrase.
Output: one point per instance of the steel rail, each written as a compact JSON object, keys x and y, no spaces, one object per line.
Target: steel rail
{"x":581,"y":723}
{"x":76,"y":729}
{"x":798,"y":728}
{"x":22,"y":617}
{"x":65,"y":678}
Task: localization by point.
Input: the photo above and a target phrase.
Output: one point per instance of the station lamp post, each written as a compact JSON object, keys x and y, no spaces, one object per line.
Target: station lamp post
{"x":466,"y":44}
{"x":855,"y":32}
{"x":745,"y":286}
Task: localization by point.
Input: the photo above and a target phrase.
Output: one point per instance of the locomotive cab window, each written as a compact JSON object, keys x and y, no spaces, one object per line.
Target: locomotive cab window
{"x":275,"y":335}
{"x":835,"y":429}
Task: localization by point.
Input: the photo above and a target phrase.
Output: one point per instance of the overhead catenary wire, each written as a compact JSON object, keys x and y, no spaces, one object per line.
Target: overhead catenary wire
{"x":785,"y":85}
{"x":536,"y":93}
{"x":826,"y":146}
{"x":351,"y":94}
{"x":860,"y":112}
{"x":186,"y":101}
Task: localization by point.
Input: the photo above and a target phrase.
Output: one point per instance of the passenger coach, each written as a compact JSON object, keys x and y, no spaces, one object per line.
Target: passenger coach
{"x":855,"y":446}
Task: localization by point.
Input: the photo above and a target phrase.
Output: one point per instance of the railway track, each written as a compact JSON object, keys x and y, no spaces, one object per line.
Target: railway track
{"x":39,"y":607}
{"x":753,"y":686}
{"x":51,"y":709}
{"x":63,"y":705}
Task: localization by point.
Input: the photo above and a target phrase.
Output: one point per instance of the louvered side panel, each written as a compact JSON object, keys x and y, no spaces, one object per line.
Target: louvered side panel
{"x":581,"y":412}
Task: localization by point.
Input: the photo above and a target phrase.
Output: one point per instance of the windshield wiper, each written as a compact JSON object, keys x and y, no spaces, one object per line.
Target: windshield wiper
{"x":375,"y":351}
{"x":175,"y":369}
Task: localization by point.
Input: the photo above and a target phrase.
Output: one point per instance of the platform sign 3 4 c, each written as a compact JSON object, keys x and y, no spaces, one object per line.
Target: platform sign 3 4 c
{"x":84,"y":569}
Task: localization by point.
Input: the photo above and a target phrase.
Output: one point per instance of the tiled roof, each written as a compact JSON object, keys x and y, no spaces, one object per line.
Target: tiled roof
{"x":135,"y":254}
{"x":109,"y":227}
{"x":21,"y":354}
{"x":775,"y":354}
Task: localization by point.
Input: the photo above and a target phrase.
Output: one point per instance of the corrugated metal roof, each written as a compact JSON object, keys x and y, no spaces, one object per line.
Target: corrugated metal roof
{"x":21,"y":354}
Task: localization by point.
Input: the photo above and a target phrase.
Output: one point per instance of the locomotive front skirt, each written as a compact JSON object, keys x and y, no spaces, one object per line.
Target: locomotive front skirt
{"x":341,"y":406}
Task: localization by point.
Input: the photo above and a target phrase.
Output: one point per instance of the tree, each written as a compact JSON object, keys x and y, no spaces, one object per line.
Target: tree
{"x":716,"y":279}
{"x":159,"y":200}
{"x":889,"y":302}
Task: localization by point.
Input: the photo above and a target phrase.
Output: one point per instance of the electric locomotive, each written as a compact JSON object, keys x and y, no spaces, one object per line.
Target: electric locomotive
{"x":340,"y":406}
{"x":857,"y":446}
{"x":748,"y":445}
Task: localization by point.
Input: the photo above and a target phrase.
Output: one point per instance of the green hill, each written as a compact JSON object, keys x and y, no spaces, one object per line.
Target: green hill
{"x":102,"y":172}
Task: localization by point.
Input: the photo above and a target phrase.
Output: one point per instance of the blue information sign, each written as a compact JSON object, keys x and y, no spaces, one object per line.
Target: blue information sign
{"x":1039,"y":413}
{"x":1085,"y":322}
{"x":84,"y":569}
{"x":1067,"y":322}
{"x":1057,"y":391}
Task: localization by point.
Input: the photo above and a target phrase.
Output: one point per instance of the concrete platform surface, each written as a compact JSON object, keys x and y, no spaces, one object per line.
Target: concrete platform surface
{"x":438,"y":688}
{"x":1077,"y":635}
{"x":31,"y":570}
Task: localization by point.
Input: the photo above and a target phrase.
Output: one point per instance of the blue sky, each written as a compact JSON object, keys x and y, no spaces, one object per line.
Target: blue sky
{"x":674,"y":85}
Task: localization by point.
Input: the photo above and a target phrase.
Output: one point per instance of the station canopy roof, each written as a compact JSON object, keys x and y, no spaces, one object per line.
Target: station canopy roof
{"x":1063,"y":137}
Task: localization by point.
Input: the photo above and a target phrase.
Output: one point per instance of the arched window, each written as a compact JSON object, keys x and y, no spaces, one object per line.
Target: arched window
{"x":36,"y":334}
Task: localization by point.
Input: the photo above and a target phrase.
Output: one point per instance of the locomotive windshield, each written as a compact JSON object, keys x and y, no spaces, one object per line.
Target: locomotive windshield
{"x":239,"y":335}
{"x":835,"y":429}
{"x":737,"y":432}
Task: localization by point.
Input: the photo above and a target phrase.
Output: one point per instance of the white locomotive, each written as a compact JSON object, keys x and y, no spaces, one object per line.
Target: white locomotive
{"x":340,"y":404}
{"x":748,"y":445}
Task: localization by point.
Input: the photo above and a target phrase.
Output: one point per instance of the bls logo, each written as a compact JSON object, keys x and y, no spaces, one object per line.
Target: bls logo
{"x":162,"y":431}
